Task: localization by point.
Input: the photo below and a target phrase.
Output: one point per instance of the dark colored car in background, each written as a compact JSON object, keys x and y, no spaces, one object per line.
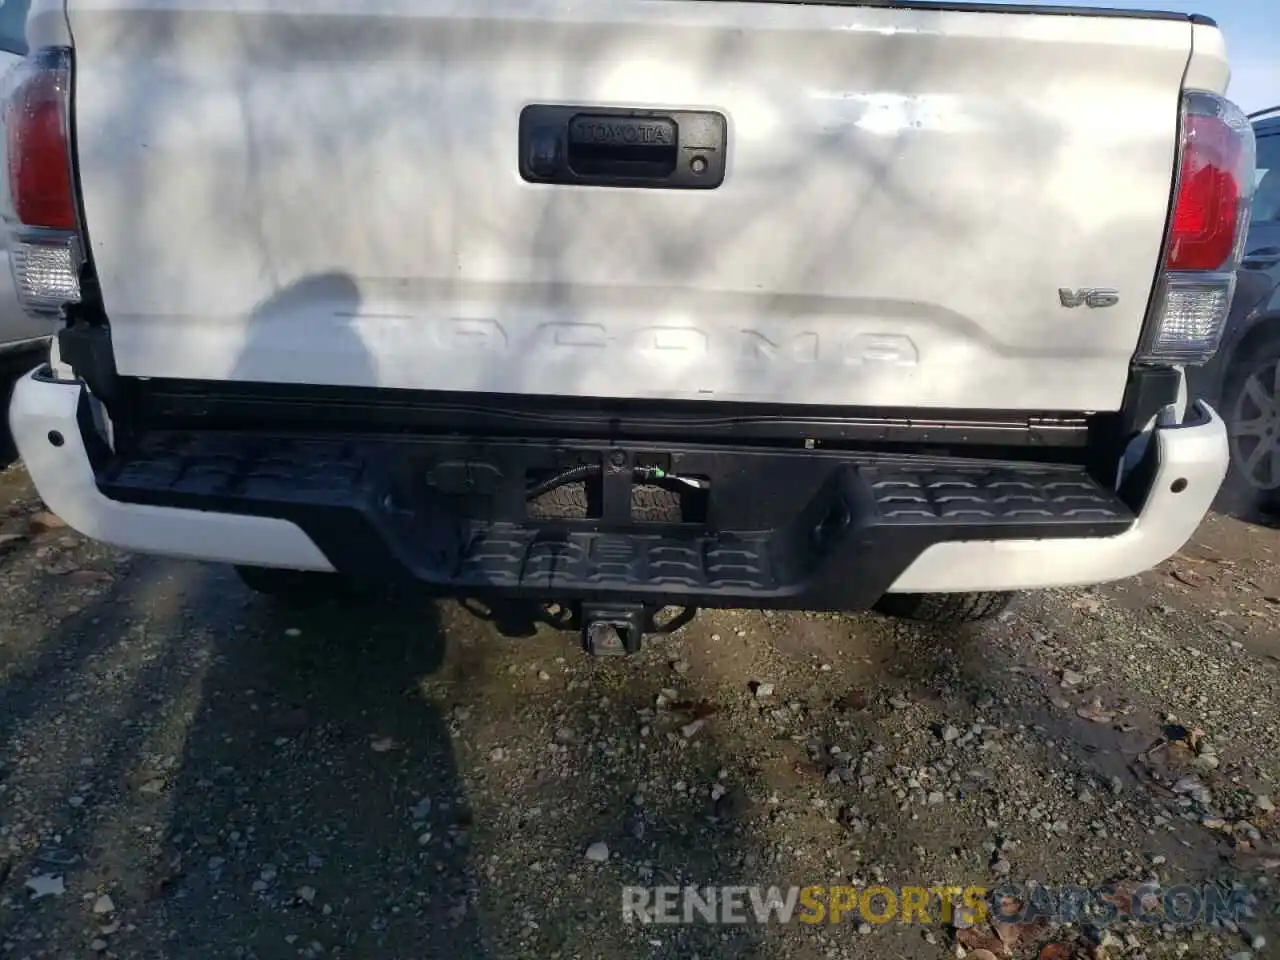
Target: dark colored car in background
{"x":1242,"y":382}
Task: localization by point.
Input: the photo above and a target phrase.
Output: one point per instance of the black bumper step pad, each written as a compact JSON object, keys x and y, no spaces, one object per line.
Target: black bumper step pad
{"x":841,"y":549}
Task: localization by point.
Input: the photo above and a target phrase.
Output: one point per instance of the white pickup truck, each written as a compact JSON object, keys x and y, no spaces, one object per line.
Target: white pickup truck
{"x":625,"y":304}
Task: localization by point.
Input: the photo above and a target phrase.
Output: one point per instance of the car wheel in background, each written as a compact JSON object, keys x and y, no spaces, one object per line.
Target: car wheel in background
{"x":1251,"y":408}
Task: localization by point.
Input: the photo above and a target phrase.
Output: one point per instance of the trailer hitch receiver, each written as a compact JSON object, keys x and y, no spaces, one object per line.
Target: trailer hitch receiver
{"x":613,"y":629}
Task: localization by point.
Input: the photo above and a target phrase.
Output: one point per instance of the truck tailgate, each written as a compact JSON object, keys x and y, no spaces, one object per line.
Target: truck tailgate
{"x":314,"y":191}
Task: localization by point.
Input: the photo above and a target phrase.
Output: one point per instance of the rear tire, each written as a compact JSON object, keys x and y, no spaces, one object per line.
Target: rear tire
{"x":295,"y":587}
{"x":944,"y":607}
{"x":1253,"y":480}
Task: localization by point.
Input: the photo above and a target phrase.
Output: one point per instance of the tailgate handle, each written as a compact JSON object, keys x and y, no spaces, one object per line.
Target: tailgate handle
{"x":612,"y":147}
{"x":642,"y":147}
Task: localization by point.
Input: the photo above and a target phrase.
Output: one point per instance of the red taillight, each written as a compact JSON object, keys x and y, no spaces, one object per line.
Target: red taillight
{"x":39,"y":148}
{"x":1206,"y":216}
{"x":45,"y":253}
{"x":1206,"y":233}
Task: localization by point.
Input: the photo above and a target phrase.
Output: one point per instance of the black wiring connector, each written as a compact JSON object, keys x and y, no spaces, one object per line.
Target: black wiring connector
{"x":572,"y":475}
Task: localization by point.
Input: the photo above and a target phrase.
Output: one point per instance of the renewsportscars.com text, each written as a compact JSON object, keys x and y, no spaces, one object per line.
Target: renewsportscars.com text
{"x":817,"y":904}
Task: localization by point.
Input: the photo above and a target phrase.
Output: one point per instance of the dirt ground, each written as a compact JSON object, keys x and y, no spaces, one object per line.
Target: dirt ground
{"x":188,"y":770}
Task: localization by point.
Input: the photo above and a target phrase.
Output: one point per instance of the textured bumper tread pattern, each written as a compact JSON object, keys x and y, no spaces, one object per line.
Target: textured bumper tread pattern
{"x":842,"y":547}
{"x":992,"y":495}
{"x":514,"y":556}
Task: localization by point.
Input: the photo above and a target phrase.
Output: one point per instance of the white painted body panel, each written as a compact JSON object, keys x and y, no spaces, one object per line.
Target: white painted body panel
{"x":1195,"y":454}
{"x":326,"y":192}
{"x":64,"y":477}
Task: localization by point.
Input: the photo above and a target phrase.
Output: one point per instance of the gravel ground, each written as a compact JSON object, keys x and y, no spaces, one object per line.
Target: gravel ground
{"x":187,"y":770}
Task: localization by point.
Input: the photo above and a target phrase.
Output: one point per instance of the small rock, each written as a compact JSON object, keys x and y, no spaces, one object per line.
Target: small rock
{"x":497,"y":754}
{"x":293,"y":632}
{"x":1187,"y":784}
{"x":690,"y":729}
{"x":103,"y":905}
{"x":1095,"y":712}
{"x":87,"y":578}
{"x":543,"y":675}
{"x":98,"y":945}
{"x":1264,"y":803}
{"x":1116,"y":784}
{"x":44,"y":521}
{"x":1258,"y":942}
{"x":1070,"y":678}
{"x":46,"y":885}
{"x":763,"y":690}
{"x":949,"y":733}
{"x":307,"y":894}
{"x":598,"y":852}
{"x":680,"y":666}
{"x":381,"y":744}
{"x":899,"y":702}
{"x":1001,"y":867}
